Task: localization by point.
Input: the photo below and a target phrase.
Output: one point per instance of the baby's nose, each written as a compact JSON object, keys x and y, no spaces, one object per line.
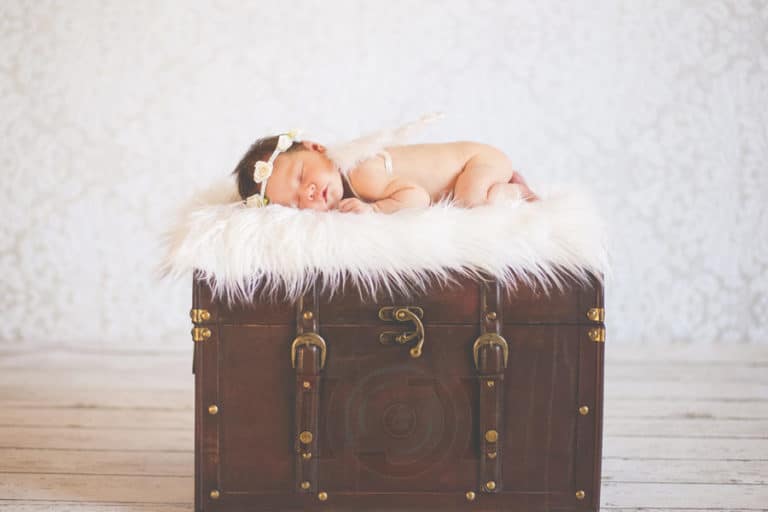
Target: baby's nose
{"x":310,"y":192}
{"x":313,"y":198}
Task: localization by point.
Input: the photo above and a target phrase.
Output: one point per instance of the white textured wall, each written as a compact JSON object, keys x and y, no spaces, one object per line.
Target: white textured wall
{"x":112,"y":112}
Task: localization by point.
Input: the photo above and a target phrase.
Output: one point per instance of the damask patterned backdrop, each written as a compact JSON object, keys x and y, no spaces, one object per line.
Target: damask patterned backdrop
{"x":112,"y":112}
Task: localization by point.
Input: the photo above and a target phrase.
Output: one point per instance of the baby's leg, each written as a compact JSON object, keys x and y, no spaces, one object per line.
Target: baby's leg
{"x":488,"y":177}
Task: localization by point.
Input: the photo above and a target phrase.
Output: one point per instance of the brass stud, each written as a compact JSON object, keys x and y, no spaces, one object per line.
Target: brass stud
{"x":305,"y":485}
{"x":490,"y":383}
{"x":580,"y":494}
{"x":491,"y":436}
{"x":470,"y":495}
{"x":214,"y":494}
{"x":305,"y":437}
{"x":400,"y":315}
{"x":491,"y":316}
{"x":308,"y":315}
{"x":213,"y":410}
{"x":306,"y":455}
{"x":490,"y":485}
{"x":306,"y":384}
{"x":491,"y":455}
{"x":583,"y":410}
{"x":322,"y":495}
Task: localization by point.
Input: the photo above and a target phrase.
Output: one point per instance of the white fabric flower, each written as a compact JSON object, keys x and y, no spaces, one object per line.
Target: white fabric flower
{"x":261,"y":171}
{"x":284,"y":142}
{"x":255,"y":201}
{"x":295,"y":134}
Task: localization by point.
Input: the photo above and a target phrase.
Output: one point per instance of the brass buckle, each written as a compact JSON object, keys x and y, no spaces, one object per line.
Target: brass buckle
{"x":308,"y":338}
{"x":490,"y":338}
{"x":404,"y":314}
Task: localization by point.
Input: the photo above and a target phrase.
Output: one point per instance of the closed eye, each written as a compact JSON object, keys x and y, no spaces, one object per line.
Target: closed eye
{"x":298,"y":187}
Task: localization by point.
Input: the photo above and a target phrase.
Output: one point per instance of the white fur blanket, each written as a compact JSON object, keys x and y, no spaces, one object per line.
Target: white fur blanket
{"x":276,"y":253}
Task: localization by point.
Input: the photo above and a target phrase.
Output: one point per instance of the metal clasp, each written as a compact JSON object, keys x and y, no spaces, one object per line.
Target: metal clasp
{"x":404,"y":314}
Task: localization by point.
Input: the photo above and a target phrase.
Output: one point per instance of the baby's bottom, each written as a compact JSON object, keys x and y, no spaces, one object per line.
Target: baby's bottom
{"x":488,"y":178}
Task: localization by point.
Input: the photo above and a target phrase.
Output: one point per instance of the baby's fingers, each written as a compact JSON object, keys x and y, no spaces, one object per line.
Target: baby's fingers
{"x":350,"y":204}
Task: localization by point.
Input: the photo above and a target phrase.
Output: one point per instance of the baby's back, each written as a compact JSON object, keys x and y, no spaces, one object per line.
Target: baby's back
{"x":434,"y":166}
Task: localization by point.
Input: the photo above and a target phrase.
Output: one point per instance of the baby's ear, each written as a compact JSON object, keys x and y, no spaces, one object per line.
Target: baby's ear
{"x":314,"y":146}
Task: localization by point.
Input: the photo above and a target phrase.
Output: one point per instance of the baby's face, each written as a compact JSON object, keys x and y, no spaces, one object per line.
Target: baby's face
{"x":305,"y":179}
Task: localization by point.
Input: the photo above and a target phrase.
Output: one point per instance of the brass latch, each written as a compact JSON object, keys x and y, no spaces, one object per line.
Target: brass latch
{"x":199,"y":315}
{"x":596,"y":314}
{"x":200,"y":333}
{"x":597,"y":334}
{"x":404,"y":314}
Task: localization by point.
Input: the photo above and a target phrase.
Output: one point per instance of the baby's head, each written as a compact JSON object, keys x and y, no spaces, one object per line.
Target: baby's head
{"x":302,"y":175}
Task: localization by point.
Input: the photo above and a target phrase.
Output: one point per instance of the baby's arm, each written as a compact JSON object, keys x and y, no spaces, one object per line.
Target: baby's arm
{"x":402,"y":195}
{"x":387,"y":193}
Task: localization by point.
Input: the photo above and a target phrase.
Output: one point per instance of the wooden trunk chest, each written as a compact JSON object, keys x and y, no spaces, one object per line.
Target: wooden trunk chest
{"x":468,"y":398}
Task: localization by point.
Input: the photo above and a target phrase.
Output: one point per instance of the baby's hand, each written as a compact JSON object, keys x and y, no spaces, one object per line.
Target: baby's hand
{"x":353,"y":204}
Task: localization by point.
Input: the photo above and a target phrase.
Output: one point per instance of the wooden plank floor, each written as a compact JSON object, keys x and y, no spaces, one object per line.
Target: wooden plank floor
{"x":92,"y":430}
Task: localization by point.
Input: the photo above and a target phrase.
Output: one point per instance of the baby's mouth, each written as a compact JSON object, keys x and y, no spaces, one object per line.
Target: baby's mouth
{"x":325,"y":194}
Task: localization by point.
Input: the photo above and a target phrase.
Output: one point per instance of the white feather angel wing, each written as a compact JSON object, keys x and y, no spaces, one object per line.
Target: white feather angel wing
{"x":347,"y":155}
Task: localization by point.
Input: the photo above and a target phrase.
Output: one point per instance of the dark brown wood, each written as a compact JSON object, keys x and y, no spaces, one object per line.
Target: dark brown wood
{"x":395,"y":432}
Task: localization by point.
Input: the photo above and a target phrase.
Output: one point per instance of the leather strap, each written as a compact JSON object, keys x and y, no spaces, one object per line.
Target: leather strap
{"x":308,"y":357}
{"x":491,"y":352}
{"x":308,"y":303}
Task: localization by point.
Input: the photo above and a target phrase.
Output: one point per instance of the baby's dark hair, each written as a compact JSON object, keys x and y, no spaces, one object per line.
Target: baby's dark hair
{"x":262,"y":149}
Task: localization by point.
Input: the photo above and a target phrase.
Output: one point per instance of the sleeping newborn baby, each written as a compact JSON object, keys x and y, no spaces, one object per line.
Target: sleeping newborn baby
{"x":397,"y":177}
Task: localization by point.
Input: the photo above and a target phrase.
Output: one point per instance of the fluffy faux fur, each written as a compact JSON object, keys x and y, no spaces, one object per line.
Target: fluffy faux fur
{"x":277,"y":253}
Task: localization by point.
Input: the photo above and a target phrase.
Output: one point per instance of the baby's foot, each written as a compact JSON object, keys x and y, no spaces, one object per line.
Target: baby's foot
{"x":510,"y":191}
{"x":528,"y":194}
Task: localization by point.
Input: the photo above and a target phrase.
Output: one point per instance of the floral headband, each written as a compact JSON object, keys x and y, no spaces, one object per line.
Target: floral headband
{"x":263,"y":170}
